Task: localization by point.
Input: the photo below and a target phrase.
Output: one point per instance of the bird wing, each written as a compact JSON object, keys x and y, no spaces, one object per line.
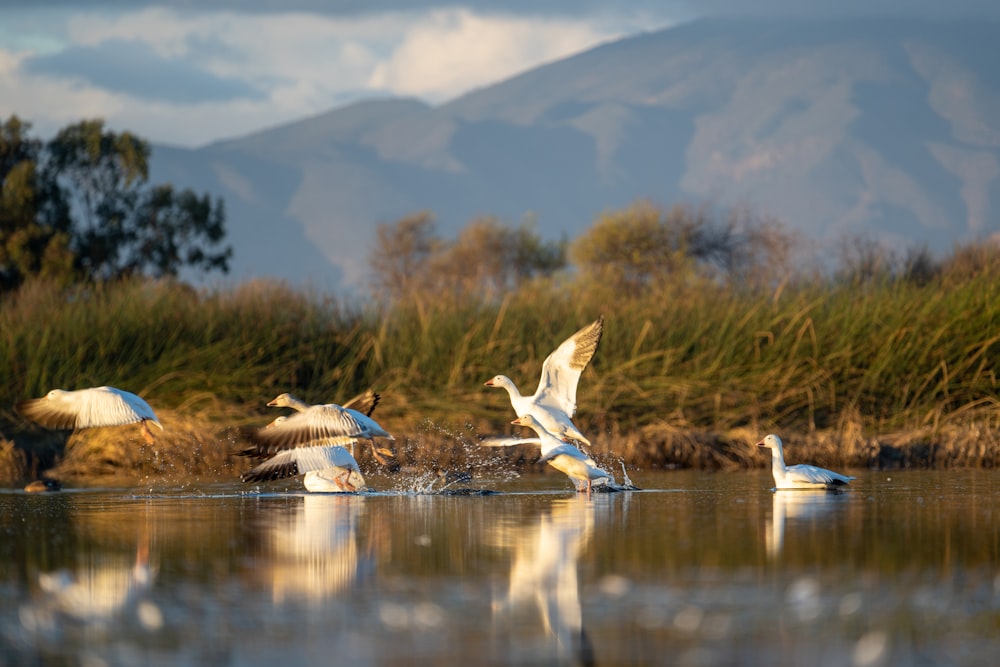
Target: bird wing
{"x":85,"y":408}
{"x":291,"y":462}
{"x":364,"y":402}
{"x":803,"y":473}
{"x":330,"y":424}
{"x":279,"y":466}
{"x":507,"y":441}
{"x":369,"y":427}
{"x":561,"y":370}
{"x":569,"y":450}
{"x":324,"y":456}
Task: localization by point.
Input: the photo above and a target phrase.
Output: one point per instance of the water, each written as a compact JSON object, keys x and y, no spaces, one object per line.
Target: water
{"x":696,"y":569}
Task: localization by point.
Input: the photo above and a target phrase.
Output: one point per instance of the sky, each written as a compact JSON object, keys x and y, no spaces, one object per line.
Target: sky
{"x":189,"y":72}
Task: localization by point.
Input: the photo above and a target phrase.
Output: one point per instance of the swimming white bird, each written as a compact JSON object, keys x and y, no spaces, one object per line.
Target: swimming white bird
{"x":554,"y":402}
{"x":327,"y":466}
{"x":799,"y":476}
{"x":87,"y":408}
{"x":360,"y":407}
{"x":563,"y":456}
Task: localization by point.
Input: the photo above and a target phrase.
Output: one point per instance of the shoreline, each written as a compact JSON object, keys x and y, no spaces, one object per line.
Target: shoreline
{"x":199,"y":447}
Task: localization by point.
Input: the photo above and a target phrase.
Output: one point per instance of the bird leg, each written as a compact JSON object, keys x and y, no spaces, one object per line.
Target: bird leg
{"x":147,"y":435}
{"x":381,"y":454}
{"x":344,"y":483}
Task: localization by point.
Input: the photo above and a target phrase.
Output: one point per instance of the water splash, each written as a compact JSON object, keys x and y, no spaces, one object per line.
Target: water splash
{"x":463,"y":462}
{"x":626,"y":480}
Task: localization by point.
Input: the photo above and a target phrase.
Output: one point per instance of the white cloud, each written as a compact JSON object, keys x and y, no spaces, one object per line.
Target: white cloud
{"x":451,"y":51}
{"x":304,"y":63}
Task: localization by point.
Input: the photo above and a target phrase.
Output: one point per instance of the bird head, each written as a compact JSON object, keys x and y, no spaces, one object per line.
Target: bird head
{"x":526,"y":420}
{"x":276,"y":422}
{"x":281,"y":401}
{"x":771,"y":442}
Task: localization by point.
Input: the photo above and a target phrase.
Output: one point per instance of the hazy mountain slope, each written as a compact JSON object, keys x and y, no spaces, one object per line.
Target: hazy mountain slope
{"x":883,"y":126}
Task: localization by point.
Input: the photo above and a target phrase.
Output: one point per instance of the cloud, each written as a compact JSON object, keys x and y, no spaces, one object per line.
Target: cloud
{"x":535,"y":8}
{"x":188,"y":77}
{"x":133,"y":68}
{"x":192,"y":71}
{"x":449,"y":52}
{"x":842,"y":8}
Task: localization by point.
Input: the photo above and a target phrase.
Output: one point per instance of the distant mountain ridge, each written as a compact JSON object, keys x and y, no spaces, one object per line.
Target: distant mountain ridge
{"x":889,"y":127}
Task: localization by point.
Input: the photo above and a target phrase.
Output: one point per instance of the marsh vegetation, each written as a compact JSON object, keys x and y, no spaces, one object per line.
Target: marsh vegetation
{"x":884,"y":361}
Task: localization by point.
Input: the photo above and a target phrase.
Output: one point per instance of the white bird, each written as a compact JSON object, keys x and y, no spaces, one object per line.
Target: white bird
{"x":799,"y":476}
{"x":563,"y":456}
{"x":327,"y":466}
{"x":554,"y":402}
{"x":313,"y":441}
{"x":87,"y":408}
{"x":360,"y":408}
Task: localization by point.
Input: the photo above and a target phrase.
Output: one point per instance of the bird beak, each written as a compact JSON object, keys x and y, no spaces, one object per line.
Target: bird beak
{"x":517,"y":421}
{"x":761,"y":444}
{"x":271,"y":404}
{"x":488,"y":383}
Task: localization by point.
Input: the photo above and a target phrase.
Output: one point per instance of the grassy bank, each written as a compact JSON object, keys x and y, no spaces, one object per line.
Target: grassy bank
{"x":884,"y":373}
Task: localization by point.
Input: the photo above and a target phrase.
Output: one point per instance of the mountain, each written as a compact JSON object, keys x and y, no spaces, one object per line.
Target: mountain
{"x":887,"y":127}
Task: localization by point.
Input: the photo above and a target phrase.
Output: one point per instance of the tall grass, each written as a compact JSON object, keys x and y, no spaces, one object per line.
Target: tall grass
{"x":690,"y":373}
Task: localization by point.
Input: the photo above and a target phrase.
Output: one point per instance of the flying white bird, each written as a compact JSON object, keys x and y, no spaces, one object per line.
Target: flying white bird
{"x":554,"y":402}
{"x":327,"y":466}
{"x":313,"y":441}
{"x":87,"y":408}
{"x":563,"y":456}
{"x":360,"y":408}
{"x":799,"y":476}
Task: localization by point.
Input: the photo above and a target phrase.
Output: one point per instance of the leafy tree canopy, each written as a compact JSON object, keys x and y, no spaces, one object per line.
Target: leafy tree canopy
{"x":79,"y":207}
{"x":643,"y":246}
{"x":488,"y":258}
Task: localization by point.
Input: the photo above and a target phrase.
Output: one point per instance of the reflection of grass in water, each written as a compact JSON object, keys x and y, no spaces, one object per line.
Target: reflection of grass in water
{"x":690,"y":374}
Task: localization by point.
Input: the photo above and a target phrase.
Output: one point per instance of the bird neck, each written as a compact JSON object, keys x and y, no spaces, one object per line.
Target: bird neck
{"x":777,"y":460}
{"x":548,"y":441}
{"x":511,"y":388}
{"x":297,"y":404}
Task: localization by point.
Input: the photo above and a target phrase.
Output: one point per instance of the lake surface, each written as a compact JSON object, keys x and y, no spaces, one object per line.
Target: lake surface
{"x":695,"y":569}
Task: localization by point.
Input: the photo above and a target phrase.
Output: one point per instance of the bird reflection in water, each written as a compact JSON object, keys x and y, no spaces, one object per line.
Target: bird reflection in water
{"x":800,"y":505}
{"x":107,"y":589}
{"x":315,"y":550}
{"x":544,"y":573}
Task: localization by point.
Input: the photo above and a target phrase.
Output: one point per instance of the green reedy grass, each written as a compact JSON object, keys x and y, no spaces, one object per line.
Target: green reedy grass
{"x":690,"y":373}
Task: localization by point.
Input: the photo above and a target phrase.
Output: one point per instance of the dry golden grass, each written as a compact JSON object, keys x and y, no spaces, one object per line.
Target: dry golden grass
{"x":13,"y":462}
{"x":200,"y":448}
{"x":881,"y":374}
{"x":188,"y":446}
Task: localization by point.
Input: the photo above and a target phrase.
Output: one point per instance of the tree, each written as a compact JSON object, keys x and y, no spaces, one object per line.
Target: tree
{"x":80,"y":207}
{"x":402,"y":251}
{"x":641,"y":247}
{"x":486,"y":259}
{"x":34,"y":221}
